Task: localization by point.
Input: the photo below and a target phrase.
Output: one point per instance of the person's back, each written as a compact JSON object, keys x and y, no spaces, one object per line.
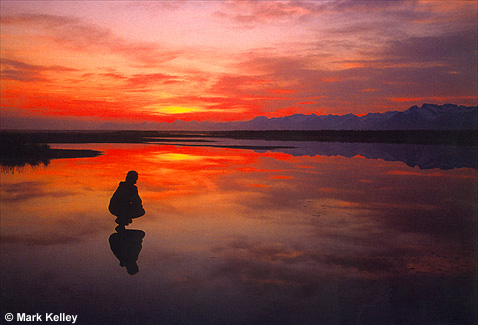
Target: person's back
{"x":125,"y":202}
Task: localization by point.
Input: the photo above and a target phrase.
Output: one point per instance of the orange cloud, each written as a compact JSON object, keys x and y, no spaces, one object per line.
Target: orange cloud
{"x":406,"y":99}
{"x":307,"y":103}
{"x":282,"y":91}
{"x":331,"y":79}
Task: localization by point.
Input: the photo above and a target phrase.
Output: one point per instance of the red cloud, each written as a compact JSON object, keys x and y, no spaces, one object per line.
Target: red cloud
{"x":77,"y":35}
{"x":21,"y":71}
{"x":141,"y":80}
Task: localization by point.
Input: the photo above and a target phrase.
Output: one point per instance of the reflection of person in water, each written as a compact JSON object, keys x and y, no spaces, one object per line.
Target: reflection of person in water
{"x":125,"y":203}
{"x":126,"y":245}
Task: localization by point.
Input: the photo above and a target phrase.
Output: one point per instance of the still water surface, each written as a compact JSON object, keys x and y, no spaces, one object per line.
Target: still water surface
{"x":235,"y":236}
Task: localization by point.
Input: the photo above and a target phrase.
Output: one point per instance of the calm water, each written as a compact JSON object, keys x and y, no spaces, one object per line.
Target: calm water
{"x":242,"y":237}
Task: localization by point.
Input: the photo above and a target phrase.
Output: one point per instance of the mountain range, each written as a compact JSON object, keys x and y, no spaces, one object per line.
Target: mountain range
{"x":426,"y":117}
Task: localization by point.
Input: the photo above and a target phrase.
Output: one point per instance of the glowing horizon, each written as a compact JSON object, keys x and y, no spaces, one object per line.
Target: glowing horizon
{"x":233,"y":60}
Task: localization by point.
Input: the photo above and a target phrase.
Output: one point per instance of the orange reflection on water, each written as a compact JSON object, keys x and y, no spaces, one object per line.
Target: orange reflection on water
{"x":309,"y":215}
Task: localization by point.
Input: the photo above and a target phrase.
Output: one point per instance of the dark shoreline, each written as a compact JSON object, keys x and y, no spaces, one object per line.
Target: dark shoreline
{"x":445,"y":137}
{"x":35,"y":159}
{"x":18,"y":150}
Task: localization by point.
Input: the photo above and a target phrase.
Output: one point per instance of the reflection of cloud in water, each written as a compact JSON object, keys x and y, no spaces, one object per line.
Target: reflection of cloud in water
{"x":41,"y":239}
{"x":276,"y":263}
{"x":394,"y":201}
{"x":305,"y":270}
{"x":175,"y":157}
{"x":52,"y":229}
{"x":13,"y":192}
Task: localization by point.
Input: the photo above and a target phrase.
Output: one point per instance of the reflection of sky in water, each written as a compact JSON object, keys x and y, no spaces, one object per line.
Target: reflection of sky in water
{"x":235,"y":236}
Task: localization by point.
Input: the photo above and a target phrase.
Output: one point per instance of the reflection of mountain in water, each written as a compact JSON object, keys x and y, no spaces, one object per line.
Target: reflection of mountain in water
{"x":423,"y":156}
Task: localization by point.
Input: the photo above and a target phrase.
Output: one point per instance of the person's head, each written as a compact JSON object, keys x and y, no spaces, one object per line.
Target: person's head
{"x":132,"y":177}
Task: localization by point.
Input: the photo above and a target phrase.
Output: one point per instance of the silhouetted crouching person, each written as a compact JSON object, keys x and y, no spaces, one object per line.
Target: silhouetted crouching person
{"x":125,"y":203}
{"x":126,"y":246}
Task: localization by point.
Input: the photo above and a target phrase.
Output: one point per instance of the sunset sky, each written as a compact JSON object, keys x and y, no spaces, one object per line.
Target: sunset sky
{"x":82,"y":63}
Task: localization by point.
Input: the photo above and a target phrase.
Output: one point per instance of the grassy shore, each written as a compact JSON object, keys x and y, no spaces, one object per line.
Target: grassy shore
{"x":18,"y":150}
